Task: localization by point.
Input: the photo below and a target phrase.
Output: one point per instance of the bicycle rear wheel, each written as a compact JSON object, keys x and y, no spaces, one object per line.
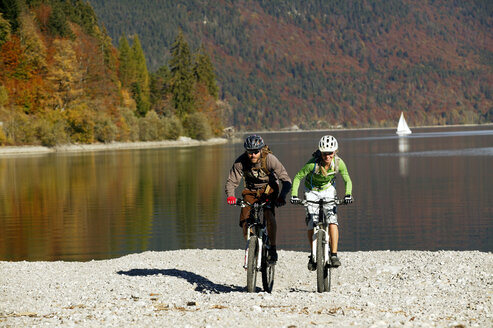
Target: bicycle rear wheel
{"x":268,"y":270}
{"x":322,"y":271}
{"x":252,"y":264}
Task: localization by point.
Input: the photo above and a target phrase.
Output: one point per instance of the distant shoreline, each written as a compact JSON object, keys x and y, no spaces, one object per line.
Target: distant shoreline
{"x":181,"y":142}
{"x":288,"y":130}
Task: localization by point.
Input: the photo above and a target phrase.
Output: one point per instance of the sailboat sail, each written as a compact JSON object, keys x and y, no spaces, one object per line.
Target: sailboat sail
{"x":402,"y":128}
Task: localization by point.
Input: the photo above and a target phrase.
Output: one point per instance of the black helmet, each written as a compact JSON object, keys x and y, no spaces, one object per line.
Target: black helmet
{"x":254,"y":142}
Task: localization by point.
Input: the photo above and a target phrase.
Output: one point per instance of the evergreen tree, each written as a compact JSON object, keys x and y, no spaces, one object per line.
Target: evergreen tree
{"x":11,"y":10}
{"x":160,"y":81}
{"x":141,"y":72}
{"x":127,"y":67}
{"x":58,"y":24}
{"x":110,"y":61}
{"x":182,"y":78}
{"x":4,"y":30}
{"x":204,"y":72}
{"x":139,"y":97}
{"x":141,"y":77}
{"x":81,"y":12}
{"x":159,"y":85}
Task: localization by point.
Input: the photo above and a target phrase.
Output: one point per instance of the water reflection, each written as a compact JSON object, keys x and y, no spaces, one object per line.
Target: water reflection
{"x":107,"y":204}
{"x":60,"y":206}
{"x":403,"y":160}
{"x":102,"y":205}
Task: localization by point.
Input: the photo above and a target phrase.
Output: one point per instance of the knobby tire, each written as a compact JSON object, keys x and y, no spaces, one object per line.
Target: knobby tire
{"x":322,"y":274}
{"x":252,"y":264}
{"x":268,"y":270}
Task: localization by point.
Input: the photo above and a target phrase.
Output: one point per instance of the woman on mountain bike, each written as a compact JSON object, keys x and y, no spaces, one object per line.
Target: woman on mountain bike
{"x":320,"y":172}
{"x":261,"y":171}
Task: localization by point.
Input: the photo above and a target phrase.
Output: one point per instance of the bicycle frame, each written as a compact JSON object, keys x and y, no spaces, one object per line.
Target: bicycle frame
{"x":321,"y":243}
{"x":256,"y":248}
{"x":257,"y":228}
{"x":322,"y":224}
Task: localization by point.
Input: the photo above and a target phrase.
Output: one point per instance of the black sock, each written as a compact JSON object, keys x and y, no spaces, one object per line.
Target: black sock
{"x":333,"y":254}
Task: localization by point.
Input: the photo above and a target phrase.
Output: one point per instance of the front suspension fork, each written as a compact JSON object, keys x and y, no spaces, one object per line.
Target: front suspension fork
{"x":259,"y":252}
{"x":326,"y":244}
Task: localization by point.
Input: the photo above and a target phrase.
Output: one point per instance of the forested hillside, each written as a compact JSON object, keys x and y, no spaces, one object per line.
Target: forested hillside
{"x":62,"y":80}
{"x":315,"y":64}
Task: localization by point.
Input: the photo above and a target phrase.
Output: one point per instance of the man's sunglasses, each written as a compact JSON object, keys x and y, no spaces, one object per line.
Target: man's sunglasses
{"x":328,"y":153}
{"x":256,"y":151}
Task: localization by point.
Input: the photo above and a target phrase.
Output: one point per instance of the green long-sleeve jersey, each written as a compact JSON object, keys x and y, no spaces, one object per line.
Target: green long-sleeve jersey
{"x":315,"y":179}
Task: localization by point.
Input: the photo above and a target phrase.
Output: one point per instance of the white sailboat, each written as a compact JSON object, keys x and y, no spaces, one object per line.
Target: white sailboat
{"x":402,"y":128}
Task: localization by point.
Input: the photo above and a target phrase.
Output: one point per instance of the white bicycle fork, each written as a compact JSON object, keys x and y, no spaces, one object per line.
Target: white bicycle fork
{"x":326,"y":245}
{"x":259,"y":252}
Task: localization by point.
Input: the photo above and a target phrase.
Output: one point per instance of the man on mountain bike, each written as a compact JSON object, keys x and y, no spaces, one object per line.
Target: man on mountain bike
{"x":261,"y":171}
{"x":320,"y":172}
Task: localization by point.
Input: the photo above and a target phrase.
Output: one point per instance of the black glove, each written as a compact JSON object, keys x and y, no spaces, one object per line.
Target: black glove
{"x":295,"y":200}
{"x":348,"y":199}
{"x":280,"y":202}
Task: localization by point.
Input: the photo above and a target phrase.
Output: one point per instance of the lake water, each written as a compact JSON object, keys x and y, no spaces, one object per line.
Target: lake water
{"x":432,"y":190}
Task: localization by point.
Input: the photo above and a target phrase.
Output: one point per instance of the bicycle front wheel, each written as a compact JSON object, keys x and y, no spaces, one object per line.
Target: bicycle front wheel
{"x":268,"y":270}
{"x":252,"y":264}
{"x":322,"y":272}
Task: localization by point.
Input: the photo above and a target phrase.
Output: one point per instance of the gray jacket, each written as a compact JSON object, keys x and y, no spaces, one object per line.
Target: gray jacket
{"x":255,"y":177}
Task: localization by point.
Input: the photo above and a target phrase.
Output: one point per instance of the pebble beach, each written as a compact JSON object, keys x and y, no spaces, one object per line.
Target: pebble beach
{"x":207,"y":288}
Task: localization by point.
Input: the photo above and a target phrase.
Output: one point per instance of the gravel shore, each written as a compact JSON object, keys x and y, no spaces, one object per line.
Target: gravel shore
{"x":206,"y":288}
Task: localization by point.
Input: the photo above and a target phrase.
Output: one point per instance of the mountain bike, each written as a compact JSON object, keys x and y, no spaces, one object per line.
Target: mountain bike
{"x":257,"y":248}
{"x":321,"y":244}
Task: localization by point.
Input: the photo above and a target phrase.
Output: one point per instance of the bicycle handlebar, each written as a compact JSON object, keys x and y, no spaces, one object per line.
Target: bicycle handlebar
{"x":243,"y":203}
{"x":336,"y":201}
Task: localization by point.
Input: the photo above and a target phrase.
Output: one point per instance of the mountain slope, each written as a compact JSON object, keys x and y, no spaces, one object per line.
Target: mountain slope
{"x":317,"y":64}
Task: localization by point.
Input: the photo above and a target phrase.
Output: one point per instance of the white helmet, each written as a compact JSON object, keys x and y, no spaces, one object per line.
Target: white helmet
{"x":328,"y":143}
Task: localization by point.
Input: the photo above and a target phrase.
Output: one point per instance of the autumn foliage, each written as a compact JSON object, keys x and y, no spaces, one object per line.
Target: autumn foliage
{"x":62,"y":80}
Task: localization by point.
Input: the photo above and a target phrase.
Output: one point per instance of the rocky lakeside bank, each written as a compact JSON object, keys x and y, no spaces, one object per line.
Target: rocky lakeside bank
{"x":206,"y":288}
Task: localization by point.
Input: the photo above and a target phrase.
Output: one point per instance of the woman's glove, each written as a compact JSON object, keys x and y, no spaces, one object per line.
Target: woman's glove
{"x":348,"y":199}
